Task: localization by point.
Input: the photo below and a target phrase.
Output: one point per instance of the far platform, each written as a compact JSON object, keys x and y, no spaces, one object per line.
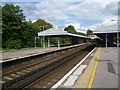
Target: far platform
{"x":24,"y":52}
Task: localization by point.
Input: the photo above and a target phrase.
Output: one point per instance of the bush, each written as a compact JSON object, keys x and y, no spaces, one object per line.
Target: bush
{"x":14,"y":44}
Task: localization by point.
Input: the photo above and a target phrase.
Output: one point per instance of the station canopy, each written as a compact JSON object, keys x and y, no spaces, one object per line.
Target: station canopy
{"x":109,"y":29}
{"x":58,"y":32}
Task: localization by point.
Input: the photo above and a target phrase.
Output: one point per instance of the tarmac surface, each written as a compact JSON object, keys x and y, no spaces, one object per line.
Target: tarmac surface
{"x":106,"y":75}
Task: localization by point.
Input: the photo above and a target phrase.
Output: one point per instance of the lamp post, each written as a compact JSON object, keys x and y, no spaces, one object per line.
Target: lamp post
{"x":117,"y":34}
{"x":43,"y":36}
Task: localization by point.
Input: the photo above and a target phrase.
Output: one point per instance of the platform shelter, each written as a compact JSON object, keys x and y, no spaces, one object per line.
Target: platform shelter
{"x":60,"y":33}
{"x":109,"y":35}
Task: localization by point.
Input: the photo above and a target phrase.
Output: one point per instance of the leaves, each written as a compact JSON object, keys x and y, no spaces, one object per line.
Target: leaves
{"x":89,"y":32}
{"x":43,"y":24}
{"x":71,"y":29}
{"x":16,"y":44}
{"x":17,"y":33}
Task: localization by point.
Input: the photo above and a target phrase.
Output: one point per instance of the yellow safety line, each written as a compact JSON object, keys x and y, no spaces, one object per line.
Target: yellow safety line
{"x":93,"y":72}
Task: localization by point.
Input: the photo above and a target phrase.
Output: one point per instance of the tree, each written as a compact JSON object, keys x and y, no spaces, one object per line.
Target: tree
{"x":16,"y":32}
{"x":29,"y":33}
{"x":12,"y":20}
{"x":80,"y":33}
{"x":70,"y":29}
{"x":42,"y":23}
{"x":89,"y":32}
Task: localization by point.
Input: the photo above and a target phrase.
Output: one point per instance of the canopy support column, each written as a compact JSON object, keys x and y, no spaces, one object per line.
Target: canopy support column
{"x":35,"y":42}
{"x":58,"y":41}
{"x":41,"y":42}
{"x":44,"y":41}
{"x":106,"y":39}
{"x":117,"y":39}
{"x":48,"y":41}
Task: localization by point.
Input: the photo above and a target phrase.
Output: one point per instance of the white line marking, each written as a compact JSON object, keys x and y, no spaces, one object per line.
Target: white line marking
{"x":79,"y":70}
{"x":70,"y":72}
{"x":71,"y":80}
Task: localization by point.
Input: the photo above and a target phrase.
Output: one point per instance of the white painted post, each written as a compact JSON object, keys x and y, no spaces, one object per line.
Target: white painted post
{"x":44,"y":41}
{"x":41,"y":42}
{"x":58,"y":41}
{"x":35,"y":42}
{"x":48,"y":41}
{"x":106,"y":39}
{"x":44,"y":36}
{"x":117,"y":39}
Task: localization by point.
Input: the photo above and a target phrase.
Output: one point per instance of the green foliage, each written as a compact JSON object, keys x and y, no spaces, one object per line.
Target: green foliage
{"x":65,"y":41}
{"x":43,"y":23}
{"x":16,"y":32}
{"x":12,"y":13}
{"x":16,"y":44}
{"x":29,"y":32}
{"x":80,"y":33}
{"x":71,"y":29}
{"x":115,"y":39}
{"x":89,"y":32}
{"x":54,"y":40}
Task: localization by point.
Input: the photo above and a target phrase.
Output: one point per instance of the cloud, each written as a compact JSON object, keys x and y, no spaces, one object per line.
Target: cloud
{"x":72,"y":12}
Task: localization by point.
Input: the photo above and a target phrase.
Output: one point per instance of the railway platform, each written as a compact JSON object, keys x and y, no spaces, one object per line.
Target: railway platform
{"x":107,"y":71}
{"x":24,"y":52}
{"x":101,"y":72}
{"x":104,"y":74}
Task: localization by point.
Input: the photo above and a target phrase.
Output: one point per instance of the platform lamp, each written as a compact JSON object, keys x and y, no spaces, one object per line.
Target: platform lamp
{"x":117,"y":34}
{"x":44,"y":36}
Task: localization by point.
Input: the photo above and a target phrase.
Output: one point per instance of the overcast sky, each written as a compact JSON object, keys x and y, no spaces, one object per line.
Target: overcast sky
{"x":83,"y":14}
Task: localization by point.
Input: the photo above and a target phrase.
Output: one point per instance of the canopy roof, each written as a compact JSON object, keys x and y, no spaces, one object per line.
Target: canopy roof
{"x":109,"y":29}
{"x":58,"y":32}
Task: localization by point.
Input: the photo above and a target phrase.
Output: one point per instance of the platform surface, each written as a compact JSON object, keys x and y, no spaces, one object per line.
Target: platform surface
{"x":106,"y":75}
{"x":23,"y":52}
{"x":31,"y":51}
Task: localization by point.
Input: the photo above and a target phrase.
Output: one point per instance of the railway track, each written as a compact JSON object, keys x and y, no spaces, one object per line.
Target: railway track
{"x":53,"y":77}
{"x":23,"y":76}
